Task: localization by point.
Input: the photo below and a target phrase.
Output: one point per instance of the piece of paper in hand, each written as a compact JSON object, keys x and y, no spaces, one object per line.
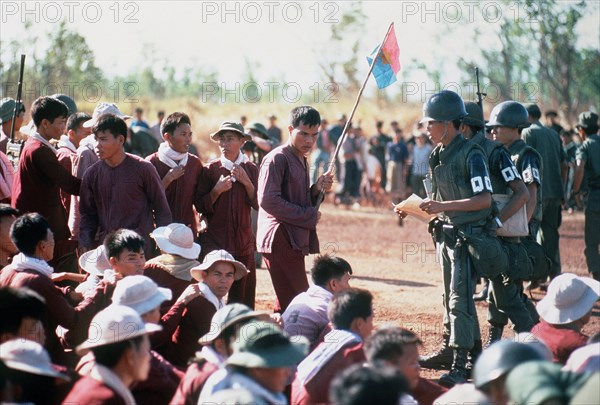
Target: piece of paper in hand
{"x":411,"y":207}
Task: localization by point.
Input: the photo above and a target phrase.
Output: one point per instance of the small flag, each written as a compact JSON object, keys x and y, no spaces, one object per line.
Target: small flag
{"x":387,"y":64}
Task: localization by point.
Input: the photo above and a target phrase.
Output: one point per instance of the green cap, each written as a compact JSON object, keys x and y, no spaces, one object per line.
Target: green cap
{"x":70,"y":103}
{"x":263,"y":344}
{"x":588,"y":120}
{"x":258,"y":127}
{"x":230,"y":126}
{"x":7,"y":108}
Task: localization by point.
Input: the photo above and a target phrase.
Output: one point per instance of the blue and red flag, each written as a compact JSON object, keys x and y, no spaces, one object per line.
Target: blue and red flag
{"x":387,"y":63}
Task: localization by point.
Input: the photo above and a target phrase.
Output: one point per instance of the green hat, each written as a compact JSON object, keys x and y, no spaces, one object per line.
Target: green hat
{"x":258,"y":127}
{"x":588,"y":120}
{"x":263,"y":344}
{"x":230,"y":126}
{"x":70,"y":103}
{"x":444,"y":106}
{"x":475,"y":116}
{"x":227,"y":316}
{"x":7,"y":108}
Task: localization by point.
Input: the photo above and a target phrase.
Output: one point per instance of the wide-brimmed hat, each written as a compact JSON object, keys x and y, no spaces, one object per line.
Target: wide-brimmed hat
{"x":176,"y":239}
{"x":227,"y":316}
{"x":263,"y":344}
{"x":104,"y":108}
{"x":219,"y":256}
{"x":115,"y":323}
{"x":568,"y":299}
{"x":28,"y":356}
{"x":94,"y":261}
{"x":230,"y":126}
{"x":258,"y":127}
{"x":140,"y":293}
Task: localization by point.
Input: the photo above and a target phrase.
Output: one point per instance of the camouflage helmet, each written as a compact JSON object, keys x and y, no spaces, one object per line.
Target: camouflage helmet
{"x":444,"y":106}
{"x":500,"y":358}
{"x":71,"y":105}
{"x":475,"y":117}
{"x":509,"y":114}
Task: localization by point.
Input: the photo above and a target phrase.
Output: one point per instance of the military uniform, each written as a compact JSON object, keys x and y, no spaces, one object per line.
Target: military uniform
{"x":547,"y":144}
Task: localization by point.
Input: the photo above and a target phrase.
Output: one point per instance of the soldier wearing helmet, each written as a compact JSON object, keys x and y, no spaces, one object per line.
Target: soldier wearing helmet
{"x":506,"y":301}
{"x":462,"y":199}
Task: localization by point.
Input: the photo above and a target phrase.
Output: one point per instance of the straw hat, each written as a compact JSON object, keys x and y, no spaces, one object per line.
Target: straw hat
{"x":219,"y":256}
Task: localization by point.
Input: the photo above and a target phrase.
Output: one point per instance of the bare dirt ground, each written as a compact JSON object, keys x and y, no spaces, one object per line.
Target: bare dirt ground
{"x":398,"y":265}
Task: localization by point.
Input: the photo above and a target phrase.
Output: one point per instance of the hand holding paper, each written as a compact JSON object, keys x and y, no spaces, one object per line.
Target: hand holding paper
{"x":411,"y":206}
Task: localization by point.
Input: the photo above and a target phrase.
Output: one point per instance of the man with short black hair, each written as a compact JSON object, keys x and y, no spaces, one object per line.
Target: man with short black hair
{"x":40,"y":176}
{"x":360,"y":385}
{"x":307,"y":313}
{"x":351,"y":313}
{"x":23,"y":312}
{"x":120,"y":191}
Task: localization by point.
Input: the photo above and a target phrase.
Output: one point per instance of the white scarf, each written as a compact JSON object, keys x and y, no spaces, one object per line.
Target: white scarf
{"x":65,"y":142}
{"x":40,"y":138}
{"x":333,"y":342}
{"x":6,"y":179}
{"x":106,"y":376}
{"x":211,"y":355}
{"x":211,"y":297}
{"x":226,"y":379}
{"x":88,"y":142}
{"x":170,"y":157}
{"x":21,"y":262}
{"x":228,"y":164}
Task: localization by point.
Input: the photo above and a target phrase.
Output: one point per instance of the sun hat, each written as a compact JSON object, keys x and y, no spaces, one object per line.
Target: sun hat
{"x":28,"y":356}
{"x":176,"y":239}
{"x":140,"y":293}
{"x":227,"y":316}
{"x":115,"y":323}
{"x":219,"y":256}
{"x":568,"y":299}
{"x":104,"y":108}
{"x":263,"y":344}
{"x":257,"y":127}
{"x":94,"y":261}
{"x":584,"y":359}
{"x":230,"y":126}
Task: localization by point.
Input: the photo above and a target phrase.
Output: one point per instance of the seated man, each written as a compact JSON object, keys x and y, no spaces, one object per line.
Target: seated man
{"x":307,"y":313}
{"x":217,"y":346}
{"x":260,"y":366}
{"x":565,"y":310}
{"x":399,"y":348}
{"x":119,"y":340}
{"x":359,"y":385}
{"x":351,"y":313}
{"x":216,"y":275}
{"x":23,"y":311}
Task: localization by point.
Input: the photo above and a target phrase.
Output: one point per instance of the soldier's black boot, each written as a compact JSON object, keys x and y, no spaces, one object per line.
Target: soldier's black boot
{"x":494,"y":335}
{"x":473,"y":356}
{"x":458,"y":373}
{"x":441,"y":359}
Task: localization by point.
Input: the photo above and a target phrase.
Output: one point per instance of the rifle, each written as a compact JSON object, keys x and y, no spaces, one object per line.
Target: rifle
{"x":14,"y":148}
{"x":480,"y":95}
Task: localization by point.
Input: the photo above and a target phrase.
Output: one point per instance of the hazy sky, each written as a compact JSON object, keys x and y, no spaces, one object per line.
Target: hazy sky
{"x":283,"y":40}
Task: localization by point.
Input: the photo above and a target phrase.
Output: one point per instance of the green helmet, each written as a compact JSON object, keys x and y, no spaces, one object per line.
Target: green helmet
{"x":509,"y":114}
{"x":500,"y":358}
{"x":71,"y":105}
{"x":475,"y":117}
{"x":444,"y":106}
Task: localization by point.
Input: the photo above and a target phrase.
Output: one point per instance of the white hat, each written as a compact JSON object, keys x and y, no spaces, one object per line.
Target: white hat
{"x":219,"y":256}
{"x":568,"y":299}
{"x":104,"y":108}
{"x":115,"y":323}
{"x":140,"y":293}
{"x":28,"y":129}
{"x":176,"y":239}
{"x":585,"y":359}
{"x":28,"y":356}
{"x":95,"y":261}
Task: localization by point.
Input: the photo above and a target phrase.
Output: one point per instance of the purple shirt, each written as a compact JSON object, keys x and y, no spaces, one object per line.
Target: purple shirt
{"x":284,"y":197}
{"x":130,"y":196}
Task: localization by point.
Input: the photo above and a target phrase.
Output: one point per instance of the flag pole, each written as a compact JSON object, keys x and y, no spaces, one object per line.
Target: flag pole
{"x":349,"y":120}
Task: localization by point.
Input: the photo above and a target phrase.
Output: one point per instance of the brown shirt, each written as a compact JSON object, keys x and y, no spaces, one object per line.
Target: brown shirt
{"x":284,"y":196}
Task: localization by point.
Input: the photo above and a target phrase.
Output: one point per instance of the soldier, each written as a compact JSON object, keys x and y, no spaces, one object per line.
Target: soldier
{"x":462,"y":195}
{"x":588,"y":164}
{"x":547,"y":143}
{"x":7,"y":108}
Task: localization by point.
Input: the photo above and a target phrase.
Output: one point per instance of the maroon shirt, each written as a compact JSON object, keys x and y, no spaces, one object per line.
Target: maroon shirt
{"x":192,"y":382}
{"x":160,"y":276}
{"x":64,"y":158}
{"x":427,"y":392}
{"x":284,"y":196}
{"x":229,"y":223}
{"x":90,"y":391}
{"x":161,"y":383}
{"x":37,"y":184}
{"x":129,"y":196}
{"x":180,"y":193}
{"x":560,"y":340}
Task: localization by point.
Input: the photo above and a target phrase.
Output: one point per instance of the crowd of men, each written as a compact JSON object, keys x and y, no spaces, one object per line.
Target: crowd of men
{"x":132,"y":279}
